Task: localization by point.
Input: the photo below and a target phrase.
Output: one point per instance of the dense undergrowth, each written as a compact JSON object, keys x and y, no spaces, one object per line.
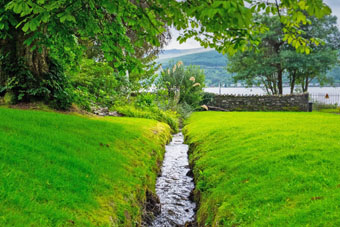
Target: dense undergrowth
{"x":266,"y":169}
{"x":60,"y":170}
{"x":169,"y":117}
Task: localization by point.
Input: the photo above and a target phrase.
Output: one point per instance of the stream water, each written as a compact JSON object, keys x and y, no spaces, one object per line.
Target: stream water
{"x":174,"y":186}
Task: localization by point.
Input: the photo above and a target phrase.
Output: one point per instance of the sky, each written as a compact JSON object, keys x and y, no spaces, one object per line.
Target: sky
{"x":191,"y":43}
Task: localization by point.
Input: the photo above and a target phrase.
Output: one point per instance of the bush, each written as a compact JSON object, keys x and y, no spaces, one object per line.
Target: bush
{"x":322,"y":106}
{"x":326,"y":108}
{"x":146,"y":99}
{"x":95,"y":85}
{"x":184,"y":86}
{"x":207,"y":98}
{"x":53,"y":87}
{"x":154,"y":113}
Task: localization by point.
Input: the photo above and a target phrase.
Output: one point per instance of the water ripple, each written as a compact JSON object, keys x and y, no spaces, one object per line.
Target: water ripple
{"x":174,"y":187}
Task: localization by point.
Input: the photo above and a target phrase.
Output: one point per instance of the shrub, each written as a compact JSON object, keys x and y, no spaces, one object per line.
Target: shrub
{"x":321,"y":106}
{"x":184,"y":85}
{"x":95,"y":84}
{"x":154,"y":113}
{"x":53,"y":87}
{"x":146,"y":99}
{"x":207,"y":98}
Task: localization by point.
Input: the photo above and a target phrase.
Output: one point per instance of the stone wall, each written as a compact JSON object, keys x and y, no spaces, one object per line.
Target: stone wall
{"x":296,"y":102}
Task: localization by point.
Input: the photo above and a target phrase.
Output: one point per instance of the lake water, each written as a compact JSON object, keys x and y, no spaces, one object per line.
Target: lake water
{"x":317,"y":94}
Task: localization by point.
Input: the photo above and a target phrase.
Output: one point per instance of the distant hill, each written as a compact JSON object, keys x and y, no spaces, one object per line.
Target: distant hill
{"x":213,"y":63}
{"x":173,"y":53}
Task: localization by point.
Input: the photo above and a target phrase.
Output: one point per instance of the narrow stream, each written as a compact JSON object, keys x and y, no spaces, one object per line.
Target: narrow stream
{"x":174,"y":187}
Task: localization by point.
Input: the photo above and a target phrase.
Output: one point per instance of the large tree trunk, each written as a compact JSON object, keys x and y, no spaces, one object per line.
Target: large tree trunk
{"x":36,"y":61}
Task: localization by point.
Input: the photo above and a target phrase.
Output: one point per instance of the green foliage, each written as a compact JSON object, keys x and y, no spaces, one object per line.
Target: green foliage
{"x":128,"y":32}
{"x":60,"y":24}
{"x":146,"y":99}
{"x":218,"y":74}
{"x":322,"y":107}
{"x":265,"y":169}
{"x":211,"y":62}
{"x":52,"y":87}
{"x":95,"y":84}
{"x":62,"y":170}
{"x":184,"y":85}
{"x":150,"y":112}
{"x":208,"y":98}
{"x":266,"y":65}
{"x":8,"y":98}
{"x":234,"y":27}
{"x":302,"y":68}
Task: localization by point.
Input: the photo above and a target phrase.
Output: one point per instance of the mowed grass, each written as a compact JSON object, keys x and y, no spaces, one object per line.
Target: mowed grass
{"x":266,"y":169}
{"x":64,"y":170}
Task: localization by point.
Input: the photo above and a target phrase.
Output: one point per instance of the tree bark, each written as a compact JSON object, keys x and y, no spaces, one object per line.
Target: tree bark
{"x":279,"y":80}
{"x":305,"y":84}
{"x":14,"y":47}
{"x":292,"y":82}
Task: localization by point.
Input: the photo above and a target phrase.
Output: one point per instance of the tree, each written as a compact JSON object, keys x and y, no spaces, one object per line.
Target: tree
{"x":256,"y":68}
{"x":302,"y":68}
{"x":36,"y":31}
{"x":262,"y":65}
{"x":184,"y":85}
{"x":229,"y":26}
{"x":267,"y":64}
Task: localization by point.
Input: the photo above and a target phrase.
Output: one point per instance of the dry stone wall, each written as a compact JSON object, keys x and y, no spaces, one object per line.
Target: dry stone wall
{"x":296,"y":102}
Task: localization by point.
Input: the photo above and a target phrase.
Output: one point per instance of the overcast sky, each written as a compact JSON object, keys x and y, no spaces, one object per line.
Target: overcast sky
{"x":334,"y":4}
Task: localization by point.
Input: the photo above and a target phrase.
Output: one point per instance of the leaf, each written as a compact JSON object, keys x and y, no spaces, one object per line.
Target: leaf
{"x":26,"y":27}
{"x":67,"y":17}
{"x":17,"y":8}
{"x":33,"y":25}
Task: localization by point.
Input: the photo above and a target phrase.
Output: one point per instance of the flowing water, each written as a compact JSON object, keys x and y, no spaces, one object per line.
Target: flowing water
{"x":174,"y":186}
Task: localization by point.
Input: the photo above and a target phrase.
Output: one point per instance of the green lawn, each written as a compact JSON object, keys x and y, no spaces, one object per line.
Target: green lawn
{"x":63,"y":170}
{"x":266,"y":169}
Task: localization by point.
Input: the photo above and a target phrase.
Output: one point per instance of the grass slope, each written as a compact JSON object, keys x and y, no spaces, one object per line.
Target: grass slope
{"x":60,"y":170}
{"x":266,"y":169}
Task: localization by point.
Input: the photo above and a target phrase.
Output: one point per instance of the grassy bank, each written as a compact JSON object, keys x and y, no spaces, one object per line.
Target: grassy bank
{"x":266,"y":169}
{"x":60,"y":170}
